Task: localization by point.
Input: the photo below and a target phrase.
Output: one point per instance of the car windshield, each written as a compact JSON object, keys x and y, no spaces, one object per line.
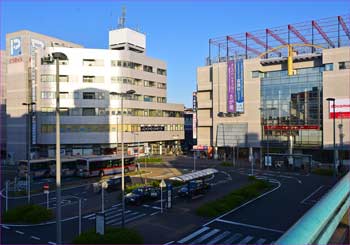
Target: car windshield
{"x":138,"y":191}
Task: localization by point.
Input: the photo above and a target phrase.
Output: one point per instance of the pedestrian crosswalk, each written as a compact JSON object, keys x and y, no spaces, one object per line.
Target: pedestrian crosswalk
{"x":208,"y":235}
{"x":113,"y":216}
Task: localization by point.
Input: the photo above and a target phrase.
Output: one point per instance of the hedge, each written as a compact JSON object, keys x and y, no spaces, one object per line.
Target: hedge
{"x":31,"y":214}
{"x":111,"y":236}
{"x":233,"y":199}
{"x":323,"y":171}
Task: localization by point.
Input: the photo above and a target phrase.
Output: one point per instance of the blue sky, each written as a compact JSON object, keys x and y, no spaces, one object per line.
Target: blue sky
{"x":177,"y":31}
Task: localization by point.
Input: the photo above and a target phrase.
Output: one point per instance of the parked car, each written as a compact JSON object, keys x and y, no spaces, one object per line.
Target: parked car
{"x":142,"y":194}
{"x":194,"y":187}
{"x":115,"y":183}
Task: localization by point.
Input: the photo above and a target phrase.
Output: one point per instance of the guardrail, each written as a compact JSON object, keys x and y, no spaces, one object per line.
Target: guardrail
{"x":319,"y":223}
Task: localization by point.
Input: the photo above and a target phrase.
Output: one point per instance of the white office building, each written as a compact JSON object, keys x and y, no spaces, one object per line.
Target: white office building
{"x":91,"y":109}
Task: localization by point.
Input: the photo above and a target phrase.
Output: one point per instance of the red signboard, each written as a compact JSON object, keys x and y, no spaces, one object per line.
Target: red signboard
{"x":341,"y":108}
{"x":15,"y":60}
{"x":294,"y":127}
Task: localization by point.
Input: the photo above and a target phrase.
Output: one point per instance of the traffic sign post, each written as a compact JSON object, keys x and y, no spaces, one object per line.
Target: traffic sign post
{"x":46,"y":191}
{"x":7,"y":198}
{"x":169,"y":188}
{"x":161,"y":185}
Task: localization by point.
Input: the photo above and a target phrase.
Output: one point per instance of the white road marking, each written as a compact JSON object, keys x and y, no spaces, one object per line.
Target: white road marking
{"x":116,"y":205}
{"x":155,"y":207}
{"x":250,"y":226}
{"x":189,"y":237}
{"x":206,"y":236}
{"x":313,"y":193}
{"x":52,"y":243}
{"x":5,"y":227}
{"x":169,"y":243}
{"x":260,"y":241}
{"x":233,"y":238}
{"x":154,"y":213}
{"x":246,"y":240}
{"x":35,"y":237}
{"x":218,"y":238}
{"x":20,"y":232}
{"x":146,"y":206}
{"x":87,"y":216}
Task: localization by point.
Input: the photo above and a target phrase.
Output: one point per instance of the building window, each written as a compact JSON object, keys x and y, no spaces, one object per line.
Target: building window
{"x":64,"y":95}
{"x":76,"y":95}
{"x":88,"y":79}
{"x":147,"y":68}
{"x":161,"y":72}
{"x":344,"y":65}
{"x":255,"y":74}
{"x":48,"y":78}
{"x":328,"y":67}
{"x":64,"y":78}
{"x":47,"y":95}
{"x":89,"y":96}
{"x":161,"y":85}
{"x":89,"y":112}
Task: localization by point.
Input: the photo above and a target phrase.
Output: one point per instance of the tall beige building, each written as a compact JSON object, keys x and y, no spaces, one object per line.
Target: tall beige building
{"x":3,"y":104}
{"x":247,"y":99}
{"x":91,"y":109}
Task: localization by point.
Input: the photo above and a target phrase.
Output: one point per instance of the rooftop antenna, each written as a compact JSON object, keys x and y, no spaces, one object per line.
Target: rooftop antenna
{"x":121,"y":20}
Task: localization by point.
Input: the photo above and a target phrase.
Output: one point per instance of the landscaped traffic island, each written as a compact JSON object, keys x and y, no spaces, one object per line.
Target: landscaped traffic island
{"x":111,"y":236}
{"x":234,"y":199}
{"x":30,"y":214}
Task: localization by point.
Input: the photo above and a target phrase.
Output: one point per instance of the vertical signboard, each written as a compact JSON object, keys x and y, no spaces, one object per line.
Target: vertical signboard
{"x":35,"y":47}
{"x":341,"y":108}
{"x":194,"y":118}
{"x":239,"y":86}
{"x":231,"y":88}
{"x":15,"y":46}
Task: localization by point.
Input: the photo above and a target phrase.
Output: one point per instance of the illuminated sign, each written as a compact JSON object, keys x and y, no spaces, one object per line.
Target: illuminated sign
{"x":292,"y":127}
{"x":15,"y":46}
{"x":152,"y":128}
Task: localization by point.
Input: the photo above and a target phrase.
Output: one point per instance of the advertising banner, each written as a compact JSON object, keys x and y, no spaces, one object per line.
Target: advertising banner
{"x":15,"y":46}
{"x":239,"y":86}
{"x":342,"y":109}
{"x":231,"y":88}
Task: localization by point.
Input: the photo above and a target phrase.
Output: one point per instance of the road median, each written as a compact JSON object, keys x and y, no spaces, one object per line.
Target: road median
{"x":232,"y":200}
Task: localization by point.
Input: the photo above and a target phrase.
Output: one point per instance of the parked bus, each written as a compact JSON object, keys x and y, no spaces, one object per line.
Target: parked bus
{"x":69,"y":167}
{"x":104,"y":165}
{"x":45,"y":168}
{"x":39,"y":168}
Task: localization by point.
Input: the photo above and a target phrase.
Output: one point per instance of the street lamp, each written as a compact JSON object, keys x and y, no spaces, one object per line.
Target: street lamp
{"x":267,"y":143}
{"x":334,"y":157}
{"x":129,"y":92}
{"x":57,"y":56}
{"x":29,"y":114}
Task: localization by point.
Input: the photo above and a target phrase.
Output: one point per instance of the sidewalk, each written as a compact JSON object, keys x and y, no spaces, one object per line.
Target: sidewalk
{"x":181,"y":219}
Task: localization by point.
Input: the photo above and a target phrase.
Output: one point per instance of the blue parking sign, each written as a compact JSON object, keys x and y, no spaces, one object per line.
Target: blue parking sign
{"x":15,"y":46}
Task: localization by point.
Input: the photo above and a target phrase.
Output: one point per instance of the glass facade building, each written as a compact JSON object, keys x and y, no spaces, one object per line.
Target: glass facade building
{"x":292,"y":106}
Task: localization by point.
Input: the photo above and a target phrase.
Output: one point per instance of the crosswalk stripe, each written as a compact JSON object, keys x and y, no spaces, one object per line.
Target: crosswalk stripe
{"x":189,"y":237}
{"x":88,"y":216}
{"x":110,"y":221}
{"x":260,"y":241}
{"x":233,"y":238}
{"x":246,"y":240}
{"x":206,"y":236}
{"x":130,"y":219}
{"x":219,"y":237}
{"x":109,"y":217}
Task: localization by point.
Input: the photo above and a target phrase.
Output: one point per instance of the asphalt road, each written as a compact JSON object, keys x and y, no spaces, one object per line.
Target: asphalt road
{"x":261,"y":221}
{"x":267,"y":218}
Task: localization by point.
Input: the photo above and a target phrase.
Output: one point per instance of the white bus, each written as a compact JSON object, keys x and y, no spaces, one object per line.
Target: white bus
{"x":39,"y":168}
{"x":69,"y":167}
{"x":104,"y":165}
{"x":45,"y":168}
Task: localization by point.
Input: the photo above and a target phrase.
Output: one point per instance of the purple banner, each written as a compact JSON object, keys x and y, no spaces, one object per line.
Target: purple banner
{"x":231,"y":86}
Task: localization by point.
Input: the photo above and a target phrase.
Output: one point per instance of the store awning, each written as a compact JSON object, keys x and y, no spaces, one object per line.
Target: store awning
{"x":195,"y":175}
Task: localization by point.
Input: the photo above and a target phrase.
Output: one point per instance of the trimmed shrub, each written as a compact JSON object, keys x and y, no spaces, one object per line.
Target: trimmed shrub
{"x":31,"y":214}
{"x":111,"y":236}
{"x":323,"y":171}
{"x":233,"y":199}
